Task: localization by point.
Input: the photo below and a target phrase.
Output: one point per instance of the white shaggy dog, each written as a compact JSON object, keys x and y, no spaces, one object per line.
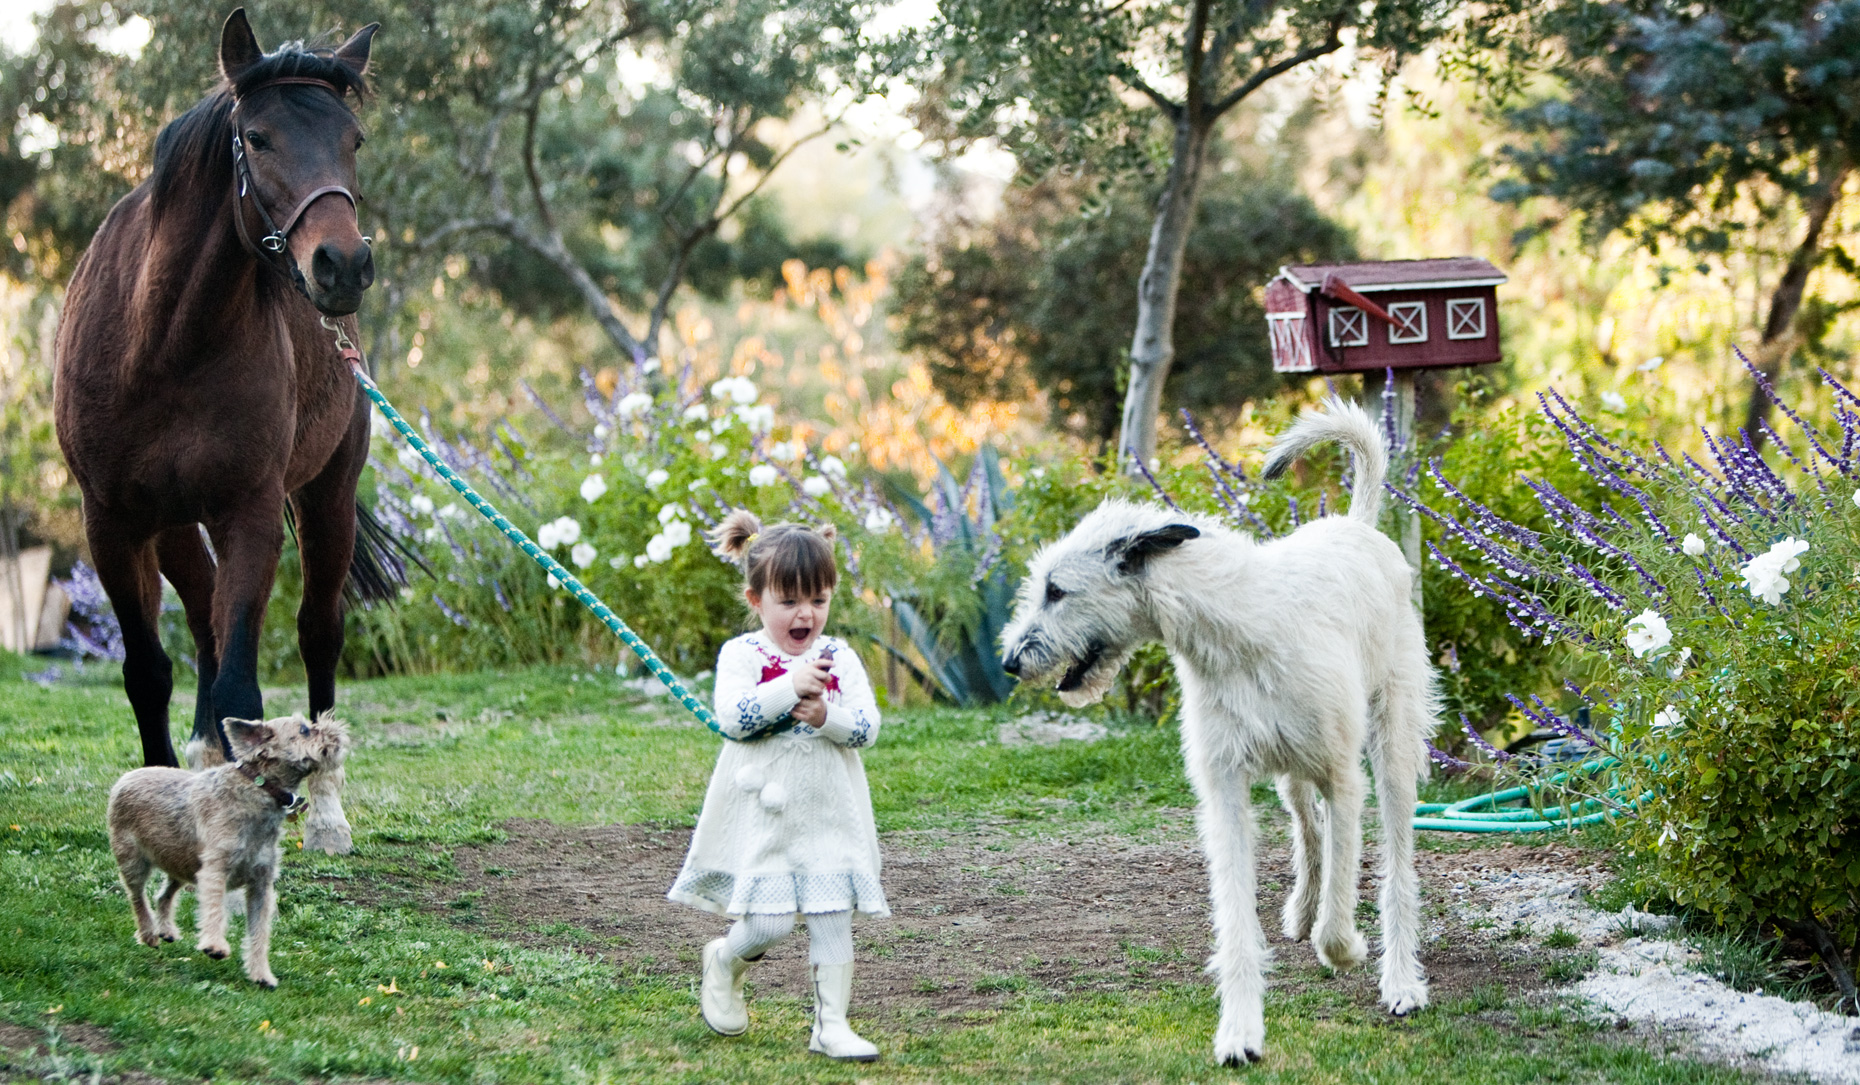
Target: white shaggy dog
{"x":1293,"y":656}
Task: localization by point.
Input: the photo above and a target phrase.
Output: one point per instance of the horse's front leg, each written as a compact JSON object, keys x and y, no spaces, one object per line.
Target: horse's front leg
{"x":188,"y":566}
{"x":326,"y":543}
{"x":248,"y":540}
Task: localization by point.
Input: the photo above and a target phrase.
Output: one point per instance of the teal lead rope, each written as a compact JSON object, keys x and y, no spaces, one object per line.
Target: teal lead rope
{"x":522,"y":542}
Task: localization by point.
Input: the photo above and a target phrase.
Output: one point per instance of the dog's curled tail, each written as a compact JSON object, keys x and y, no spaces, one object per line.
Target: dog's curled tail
{"x":1345,"y":423}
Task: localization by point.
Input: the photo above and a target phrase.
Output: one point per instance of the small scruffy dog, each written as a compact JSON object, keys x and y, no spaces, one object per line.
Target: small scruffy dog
{"x":219,"y":830}
{"x":1295,"y":656}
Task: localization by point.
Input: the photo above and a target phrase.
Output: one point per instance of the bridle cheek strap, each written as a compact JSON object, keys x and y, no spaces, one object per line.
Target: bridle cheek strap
{"x":270,"y":247}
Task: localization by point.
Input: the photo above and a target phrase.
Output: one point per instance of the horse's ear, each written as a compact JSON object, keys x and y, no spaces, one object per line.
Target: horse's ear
{"x":354,"y":52}
{"x":238,"y":46}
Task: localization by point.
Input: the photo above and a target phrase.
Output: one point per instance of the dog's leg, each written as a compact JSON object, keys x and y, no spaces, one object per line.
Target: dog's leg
{"x":261,"y":906}
{"x":164,"y":910}
{"x":1338,"y":943}
{"x":325,"y":827}
{"x":210,"y":888}
{"x":134,"y":867}
{"x":1404,"y":985}
{"x":1226,"y":817}
{"x":1300,"y":799}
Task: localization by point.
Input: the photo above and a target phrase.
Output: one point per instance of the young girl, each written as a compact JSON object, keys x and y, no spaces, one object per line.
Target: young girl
{"x":787,"y":822}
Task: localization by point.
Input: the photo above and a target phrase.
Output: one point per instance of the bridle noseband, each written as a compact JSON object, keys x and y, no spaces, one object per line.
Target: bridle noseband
{"x":269,"y":249}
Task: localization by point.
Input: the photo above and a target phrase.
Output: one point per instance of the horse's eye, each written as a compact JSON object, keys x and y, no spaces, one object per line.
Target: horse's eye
{"x":1053,"y":592}
{"x":359,"y":140}
{"x":256,"y":141}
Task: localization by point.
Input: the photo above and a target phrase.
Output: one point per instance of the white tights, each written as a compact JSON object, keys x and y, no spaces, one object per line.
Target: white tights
{"x":829,"y":936}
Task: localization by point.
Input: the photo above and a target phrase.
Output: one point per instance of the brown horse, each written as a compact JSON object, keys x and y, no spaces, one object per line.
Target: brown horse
{"x":197,"y":388}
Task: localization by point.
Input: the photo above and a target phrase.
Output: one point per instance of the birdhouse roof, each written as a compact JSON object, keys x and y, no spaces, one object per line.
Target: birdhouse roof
{"x":1452,"y":271}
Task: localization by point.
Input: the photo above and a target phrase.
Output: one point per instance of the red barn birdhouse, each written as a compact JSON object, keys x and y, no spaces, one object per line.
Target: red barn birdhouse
{"x":1388,"y":314}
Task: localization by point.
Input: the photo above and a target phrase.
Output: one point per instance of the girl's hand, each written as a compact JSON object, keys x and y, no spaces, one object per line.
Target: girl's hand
{"x":811,"y":711}
{"x":810,"y":679}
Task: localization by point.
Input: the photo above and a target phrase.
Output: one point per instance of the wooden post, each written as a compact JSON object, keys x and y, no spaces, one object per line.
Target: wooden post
{"x":1407,"y":521}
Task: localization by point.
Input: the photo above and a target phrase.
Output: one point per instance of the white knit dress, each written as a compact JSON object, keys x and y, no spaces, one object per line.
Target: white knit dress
{"x":787,"y":821}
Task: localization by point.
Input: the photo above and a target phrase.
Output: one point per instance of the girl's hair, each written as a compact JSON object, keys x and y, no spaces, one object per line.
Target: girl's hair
{"x":793,"y":559}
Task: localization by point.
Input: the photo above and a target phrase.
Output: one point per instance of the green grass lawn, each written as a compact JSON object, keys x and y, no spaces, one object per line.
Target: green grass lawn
{"x":378,"y":983}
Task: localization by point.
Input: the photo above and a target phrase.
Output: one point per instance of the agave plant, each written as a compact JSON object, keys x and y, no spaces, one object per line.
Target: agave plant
{"x":955,"y":615}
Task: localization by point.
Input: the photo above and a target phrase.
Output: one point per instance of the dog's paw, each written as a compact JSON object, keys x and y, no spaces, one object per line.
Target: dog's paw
{"x":218,"y":951}
{"x":1241,"y":1037}
{"x":170,"y":934}
{"x":148,"y":938}
{"x":1296,"y":922}
{"x":264,"y":979}
{"x":1342,"y":950}
{"x":1406,"y":999}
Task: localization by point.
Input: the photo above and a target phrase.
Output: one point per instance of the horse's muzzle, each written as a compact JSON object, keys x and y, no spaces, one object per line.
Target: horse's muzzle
{"x":339,"y":276}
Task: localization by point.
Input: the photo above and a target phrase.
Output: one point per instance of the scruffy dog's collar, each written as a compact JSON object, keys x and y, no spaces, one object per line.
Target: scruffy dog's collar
{"x":287,"y":802}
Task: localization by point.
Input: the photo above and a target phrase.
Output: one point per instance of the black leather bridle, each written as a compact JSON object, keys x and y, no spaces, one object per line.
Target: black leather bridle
{"x":270,"y":246}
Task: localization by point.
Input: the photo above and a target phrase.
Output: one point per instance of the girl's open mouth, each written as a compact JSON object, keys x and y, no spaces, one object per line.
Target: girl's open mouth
{"x":799,"y":636}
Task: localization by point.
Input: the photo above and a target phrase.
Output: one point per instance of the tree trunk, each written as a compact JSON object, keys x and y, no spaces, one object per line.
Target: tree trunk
{"x":1152,"y":348}
{"x":1778,"y":339}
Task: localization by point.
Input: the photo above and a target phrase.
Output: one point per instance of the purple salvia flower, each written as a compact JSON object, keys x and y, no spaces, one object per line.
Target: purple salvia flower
{"x":90,"y":607}
{"x":1490,"y":549}
{"x":1596,"y":586}
{"x":1478,"y":740}
{"x":1447,"y":762}
{"x":547,"y":411}
{"x":1808,"y":431}
{"x":1630,"y":460}
{"x":1485,"y":517}
{"x":1291,"y":511}
{"x":1234,"y":469}
{"x":1718,"y":530}
{"x":1155,"y":485}
{"x":457,"y":619}
{"x":1705,"y":589}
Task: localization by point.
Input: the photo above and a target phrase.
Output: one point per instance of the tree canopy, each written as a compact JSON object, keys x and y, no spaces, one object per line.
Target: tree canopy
{"x":571,"y":153}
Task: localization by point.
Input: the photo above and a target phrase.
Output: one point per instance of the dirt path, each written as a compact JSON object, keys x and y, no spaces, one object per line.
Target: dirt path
{"x":978,"y":917}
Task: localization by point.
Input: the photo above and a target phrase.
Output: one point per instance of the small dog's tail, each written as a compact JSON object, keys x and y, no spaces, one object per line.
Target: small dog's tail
{"x":1347,"y":424}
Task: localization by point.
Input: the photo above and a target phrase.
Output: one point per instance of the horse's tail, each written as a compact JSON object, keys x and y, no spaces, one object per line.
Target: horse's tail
{"x":378,"y":570}
{"x":1346,"y":424}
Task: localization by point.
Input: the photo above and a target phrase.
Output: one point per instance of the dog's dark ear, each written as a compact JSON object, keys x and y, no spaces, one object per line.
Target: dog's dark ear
{"x":1132,"y":552}
{"x":246,"y":736}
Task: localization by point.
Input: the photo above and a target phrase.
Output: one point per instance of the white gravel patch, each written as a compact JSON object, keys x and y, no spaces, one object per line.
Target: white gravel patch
{"x":1048,"y":729}
{"x":1652,"y":981}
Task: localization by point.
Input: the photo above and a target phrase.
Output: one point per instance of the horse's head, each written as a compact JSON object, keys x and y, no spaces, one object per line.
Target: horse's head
{"x":298,"y":139}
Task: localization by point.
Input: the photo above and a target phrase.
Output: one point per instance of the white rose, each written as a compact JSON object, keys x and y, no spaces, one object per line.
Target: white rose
{"x":432,"y":535}
{"x":633,"y":404}
{"x":671,"y":512}
{"x":760,"y":417}
{"x":745,"y":390}
{"x":833,"y":467}
{"x":601,"y":430}
{"x":1647,"y":633}
{"x":677,"y":533}
{"x":658,"y":548}
{"x":594,"y":460}
{"x":784,"y":450}
{"x":723,"y":423}
{"x":719,"y":451}
{"x":1667,"y":717}
{"x":553,"y":582}
{"x":618,"y":561}
{"x":410,"y":461}
{"x":1857,"y":497}
{"x":879,"y":521}
{"x":380,"y":427}
{"x":656,"y":478}
{"x":568,"y":530}
{"x":1693,"y":545}
{"x":592,"y":488}
{"x":640,"y":560}
{"x":1614,"y":401}
{"x":422,"y":504}
{"x":546,"y":536}
{"x":697,"y":484}
{"x":697,"y":412}
{"x":451,"y":512}
{"x":815,"y":486}
{"x":582,"y":555}
{"x":763,"y":474}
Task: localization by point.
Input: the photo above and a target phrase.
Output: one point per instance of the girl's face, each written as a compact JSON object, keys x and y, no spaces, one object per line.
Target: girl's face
{"x":792,"y":622}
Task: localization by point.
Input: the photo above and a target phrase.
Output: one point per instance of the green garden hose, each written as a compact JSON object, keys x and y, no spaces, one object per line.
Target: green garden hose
{"x":1483,"y":813}
{"x":522,"y":542}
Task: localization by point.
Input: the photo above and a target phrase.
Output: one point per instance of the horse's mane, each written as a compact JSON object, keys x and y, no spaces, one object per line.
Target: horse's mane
{"x":197,"y":145}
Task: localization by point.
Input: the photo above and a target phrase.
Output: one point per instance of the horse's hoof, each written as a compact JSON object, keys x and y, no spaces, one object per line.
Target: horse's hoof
{"x":333,"y":841}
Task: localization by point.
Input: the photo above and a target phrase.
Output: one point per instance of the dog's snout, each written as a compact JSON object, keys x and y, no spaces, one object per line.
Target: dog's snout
{"x":1012,"y":664}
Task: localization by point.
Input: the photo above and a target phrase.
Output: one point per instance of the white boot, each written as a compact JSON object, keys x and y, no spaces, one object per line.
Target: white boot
{"x":833,"y":1037}
{"x":720,"y":994}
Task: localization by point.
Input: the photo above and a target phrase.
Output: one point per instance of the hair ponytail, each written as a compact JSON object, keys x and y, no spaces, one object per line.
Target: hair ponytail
{"x":731,"y":538}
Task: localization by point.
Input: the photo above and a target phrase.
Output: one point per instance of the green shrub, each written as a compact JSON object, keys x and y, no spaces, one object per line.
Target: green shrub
{"x":1719,"y":625}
